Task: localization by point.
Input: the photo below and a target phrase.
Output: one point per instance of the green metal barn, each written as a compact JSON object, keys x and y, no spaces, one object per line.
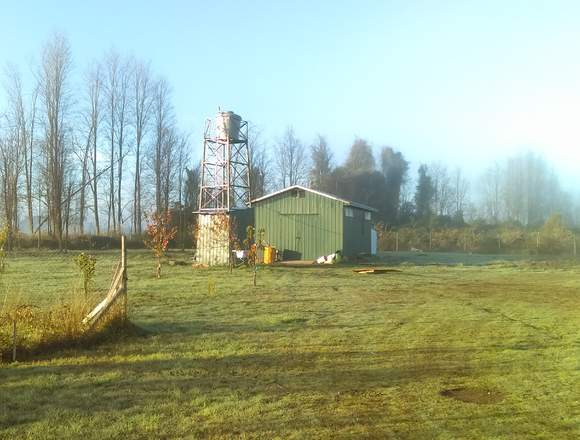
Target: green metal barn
{"x":305,"y":224}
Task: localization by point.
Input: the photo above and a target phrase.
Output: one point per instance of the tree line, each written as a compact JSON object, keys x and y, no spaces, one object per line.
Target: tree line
{"x":521,"y":190}
{"x":96,"y":152}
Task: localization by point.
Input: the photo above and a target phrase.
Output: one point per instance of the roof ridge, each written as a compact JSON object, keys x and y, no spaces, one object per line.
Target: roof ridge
{"x":330,"y":196}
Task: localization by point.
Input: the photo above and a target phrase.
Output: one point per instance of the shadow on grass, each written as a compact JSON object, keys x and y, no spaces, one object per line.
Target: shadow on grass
{"x":361,"y":382}
{"x":123,"y":386}
{"x":44,"y":351}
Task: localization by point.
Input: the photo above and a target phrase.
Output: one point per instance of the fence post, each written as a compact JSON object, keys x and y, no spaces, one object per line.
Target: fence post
{"x":397,"y":241}
{"x":124,"y":276}
{"x":575,"y":245}
{"x":14,"y":339}
{"x":254,"y":276}
{"x":430,"y":239}
{"x":537,"y":240}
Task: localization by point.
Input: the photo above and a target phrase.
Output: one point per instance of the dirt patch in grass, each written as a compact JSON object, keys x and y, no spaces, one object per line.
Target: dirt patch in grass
{"x":480,"y":396}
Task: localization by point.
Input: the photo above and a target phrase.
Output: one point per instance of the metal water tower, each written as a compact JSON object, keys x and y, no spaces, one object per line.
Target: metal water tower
{"x":224,"y":191}
{"x":225,"y":170}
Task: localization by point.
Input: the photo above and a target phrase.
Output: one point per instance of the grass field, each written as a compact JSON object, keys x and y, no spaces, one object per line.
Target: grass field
{"x":475,"y":350}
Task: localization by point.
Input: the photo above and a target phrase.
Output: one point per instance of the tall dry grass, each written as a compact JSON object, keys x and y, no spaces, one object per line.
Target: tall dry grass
{"x":40,"y":330}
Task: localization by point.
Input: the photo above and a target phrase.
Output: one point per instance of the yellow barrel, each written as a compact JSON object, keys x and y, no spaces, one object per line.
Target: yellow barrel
{"x":268,"y":255}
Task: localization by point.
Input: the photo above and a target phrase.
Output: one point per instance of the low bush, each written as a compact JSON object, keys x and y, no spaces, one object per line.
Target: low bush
{"x":86,"y":265}
{"x":555,"y":237}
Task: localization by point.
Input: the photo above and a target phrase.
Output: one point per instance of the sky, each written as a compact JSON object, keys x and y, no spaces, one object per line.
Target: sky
{"x":462,"y":82}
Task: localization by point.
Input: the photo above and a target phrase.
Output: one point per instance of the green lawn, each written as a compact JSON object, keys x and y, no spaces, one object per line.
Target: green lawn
{"x":311,"y":353}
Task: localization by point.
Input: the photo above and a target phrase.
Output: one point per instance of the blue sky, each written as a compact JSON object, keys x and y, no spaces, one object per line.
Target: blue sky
{"x":464,"y":82}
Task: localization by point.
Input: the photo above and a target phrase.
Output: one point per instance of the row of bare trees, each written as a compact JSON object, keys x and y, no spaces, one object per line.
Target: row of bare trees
{"x":92,"y":154}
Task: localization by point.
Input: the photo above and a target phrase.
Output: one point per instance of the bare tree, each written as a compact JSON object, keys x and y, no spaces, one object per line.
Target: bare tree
{"x":87,"y":151}
{"x":112,"y":62}
{"x":443,"y":196}
{"x":531,"y":190}
{"x":117,"y":77}
{"x":163,"y":141}
{"x":182,"y":162}
{"x":53,"y":79}
{"x":120,"y":103}
{"x":123,"y":108}
{"x":169,"y":165}
{"x":259,"y":164}
{"x":67,"y":209}
{"x":10,"y":170}
{"x":525,"y":189}
{"x":459,"y":192}
{"x":140,"y":116}
{"x":82,"y":152}
{"x":93,"y":118}
{"x":23,"y":123}
{"x":290,"y":160}
{"x":491,"y":187}
{"x":576,"y":211}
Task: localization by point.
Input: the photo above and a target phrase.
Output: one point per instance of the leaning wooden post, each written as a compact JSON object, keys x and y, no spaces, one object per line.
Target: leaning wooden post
{"x":124,"y":277}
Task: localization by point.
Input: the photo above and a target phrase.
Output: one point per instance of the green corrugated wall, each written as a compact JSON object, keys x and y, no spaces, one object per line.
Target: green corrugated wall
{"x":357,"y":234}
{"x":301,"y":227}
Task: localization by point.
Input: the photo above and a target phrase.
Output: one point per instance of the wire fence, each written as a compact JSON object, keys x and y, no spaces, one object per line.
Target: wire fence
{"x":562,"y":242}
{"x":46,"y":295}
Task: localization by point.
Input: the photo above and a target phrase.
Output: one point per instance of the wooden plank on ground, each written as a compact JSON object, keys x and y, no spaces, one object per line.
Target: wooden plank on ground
{"x":373,"y":271}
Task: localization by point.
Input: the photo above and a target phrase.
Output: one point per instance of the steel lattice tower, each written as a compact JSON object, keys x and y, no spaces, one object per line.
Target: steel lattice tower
{"x":225,"y":170}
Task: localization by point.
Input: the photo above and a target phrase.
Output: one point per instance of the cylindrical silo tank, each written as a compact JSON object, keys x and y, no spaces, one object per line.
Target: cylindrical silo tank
{"x":228,"y":125}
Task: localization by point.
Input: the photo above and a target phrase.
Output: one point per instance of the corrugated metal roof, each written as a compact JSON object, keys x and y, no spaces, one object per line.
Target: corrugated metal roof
{"x":320,"y":193}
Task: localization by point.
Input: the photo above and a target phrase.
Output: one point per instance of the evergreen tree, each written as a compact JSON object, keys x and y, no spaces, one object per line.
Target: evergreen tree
{"x":424,"y":195}
{"x":321,"y":165}
{"x":360,"y":158}
{"x":394,"y":168}
{"x":191,"y":187}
